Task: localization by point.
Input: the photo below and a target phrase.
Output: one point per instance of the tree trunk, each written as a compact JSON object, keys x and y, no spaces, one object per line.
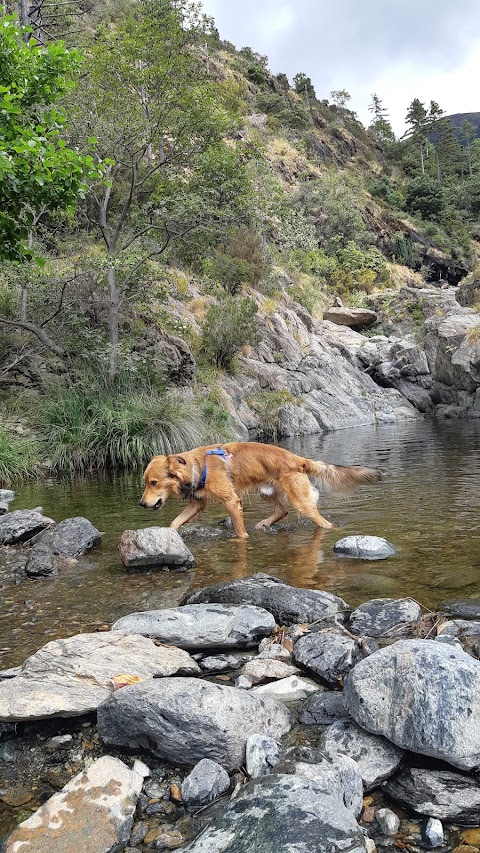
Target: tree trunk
{"x":469,"y":155}
{"x":23,"y":303}
{"x":113,"y":315}
{"x":421,"y":158}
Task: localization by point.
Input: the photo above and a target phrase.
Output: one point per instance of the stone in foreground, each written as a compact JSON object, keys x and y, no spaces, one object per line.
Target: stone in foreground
{"x":288,"y":604}
{"x":432,"y":832}
{"x":21,"y":525}
{"x":438,"y":793}
{"x":377,"y":759}
{"x":388,"y":821}
{"x":207,"y":781}
{"x":282,"y":814}
{"x":69,"y":677}
{"x":93,"y":813}
{"x":201,"y":626}
{"x":184,"y":720}
{"x":384,"y":616}
{"x":339,"y":776}
{"x":329,"y":655}
{"x":423,"y":696}
{"x":154,"y":548}
{"x":364,"y":547}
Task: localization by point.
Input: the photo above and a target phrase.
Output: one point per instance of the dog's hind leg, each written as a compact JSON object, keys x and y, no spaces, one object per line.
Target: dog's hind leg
{"x":192,"y":509}
{"x":303,"y":498}
{"x":279,"y":511}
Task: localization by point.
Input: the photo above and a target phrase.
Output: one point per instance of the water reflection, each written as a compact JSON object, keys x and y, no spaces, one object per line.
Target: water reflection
{"x":428,"y":505}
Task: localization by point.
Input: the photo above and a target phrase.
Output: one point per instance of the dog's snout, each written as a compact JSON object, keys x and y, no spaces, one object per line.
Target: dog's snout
{"x":143,"y":504}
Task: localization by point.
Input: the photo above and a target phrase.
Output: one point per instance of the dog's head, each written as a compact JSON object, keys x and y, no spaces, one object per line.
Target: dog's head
{"x":164,"y":476}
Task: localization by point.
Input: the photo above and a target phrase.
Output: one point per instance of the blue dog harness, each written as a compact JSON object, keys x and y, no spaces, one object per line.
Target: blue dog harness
{"x":217,"y":452}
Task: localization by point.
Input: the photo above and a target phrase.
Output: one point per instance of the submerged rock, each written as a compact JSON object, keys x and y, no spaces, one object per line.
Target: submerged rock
{"x":154,"y":547}
{"x":201,"y":626}
{"x":21,"y":525}
{"x":184,"y":720}
{"x":384,"y":616}
{"x":69,"y":677}
{"x":376,"y":757}
{"x":288,"y":604}
{"x":423,"y":696}
{"x":364,"y":547}
{"x":438,"y":793}
{"x":297,"y":814}
{"x":207,"y":781}
{"x":329,"y":655}
{"x":92,"y":814}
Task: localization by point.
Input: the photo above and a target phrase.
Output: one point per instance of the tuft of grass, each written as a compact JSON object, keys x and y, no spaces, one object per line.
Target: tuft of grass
{"x":267,"y":408}
{"x":18,"y":457}
{"x":123,"y":431}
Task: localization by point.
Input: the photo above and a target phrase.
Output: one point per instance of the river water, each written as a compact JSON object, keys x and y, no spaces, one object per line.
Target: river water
{"x":428,"y":506}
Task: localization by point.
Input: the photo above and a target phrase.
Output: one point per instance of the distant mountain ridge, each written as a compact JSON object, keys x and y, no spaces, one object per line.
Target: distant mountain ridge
{"x":457,"y":120}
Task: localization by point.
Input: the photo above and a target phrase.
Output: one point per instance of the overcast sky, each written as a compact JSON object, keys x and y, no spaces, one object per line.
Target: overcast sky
{"x":400,"y":49}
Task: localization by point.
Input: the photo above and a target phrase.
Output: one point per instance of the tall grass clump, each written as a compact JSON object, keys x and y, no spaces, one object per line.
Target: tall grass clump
{"x":84,"y":433}
{"x":18,"y":457}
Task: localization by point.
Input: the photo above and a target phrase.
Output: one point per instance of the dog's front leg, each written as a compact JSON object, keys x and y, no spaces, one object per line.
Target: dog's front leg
{"x":192,"y":509}
{"x":234,"y":509}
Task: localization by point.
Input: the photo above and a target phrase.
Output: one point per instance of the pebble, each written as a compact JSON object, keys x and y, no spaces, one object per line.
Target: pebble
{"x":388,"y":821}
{"x":243,"y":682}
{"x":169,"y":839}
{"x":432,"y":832}
{"x":138,"y":832}
{"x":58,"y":742}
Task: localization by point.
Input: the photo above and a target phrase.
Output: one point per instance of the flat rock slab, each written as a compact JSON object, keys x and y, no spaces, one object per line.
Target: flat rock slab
{"x":282,"y":814}
{"x":330,"y":654}
{"x":223,"y":663}
{"x":438,"y":793}
{"x":352,"y":317}
{"x":423,"y":696}
{"x":323,"y":709}
{"x":291,"y":689}
{"x":184,"y":720}
{"x":364,"y":548}
{"x":21,"y":525}
{"x":154,"y":547}
{"x":93,"y":813}
{"x":201,"y":626}
{"x":376,"y":757}
{"x":259,"y":670}
{"x":463,"y":609}
{"x":288,"y":604}
{"x":339,"y":776}
{"x":69,"y":677}
{"x":384,"y":616}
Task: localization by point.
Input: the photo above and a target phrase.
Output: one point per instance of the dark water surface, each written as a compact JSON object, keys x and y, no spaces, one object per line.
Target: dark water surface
{"x":428,"y":505}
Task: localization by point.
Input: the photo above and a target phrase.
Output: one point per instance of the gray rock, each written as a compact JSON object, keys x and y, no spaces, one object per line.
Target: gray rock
{"x":21,"y":525}
{"x":184,"y":720}
{"x":207,"y":781}
{"x":297,"y":815}
{"x":329,"y":655}
{"x":201,"y":626}
{"x":447,"y":640}
{"x":437,"y":793}
{"x":92,"y":813}
{"x":291,"y":689}
{"x":275,"y":651}
{"x":364,"y":547}
{"x":377,"y":759}
{"x":340,"y":777}
{"x":288,"y":604}
{"x":223,"y":663}
{"x":243,"y":682}
{"x":154,"y":547}
{"x":41,"y":561}
{"x":388,"y":821}
{"x":384,"y":616}
{"x":69,"y":677}
{"x":323,"y":709}
{"x":71,"y":538}
{"x":352,"y":317}
{"x":261,"y":755}
{"x":432,"y":832}
{"x":258,"y":670}
{"x":6,"y":497}
{"x":462,"y":609}
{"x":421,"y":695}
{"x":460,"y":628}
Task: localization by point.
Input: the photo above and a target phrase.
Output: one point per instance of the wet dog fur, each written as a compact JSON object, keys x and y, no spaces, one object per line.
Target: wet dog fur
{"x":280,"y":477}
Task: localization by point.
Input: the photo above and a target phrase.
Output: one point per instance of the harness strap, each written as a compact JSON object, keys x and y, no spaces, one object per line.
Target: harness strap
{"x":217,"y":452}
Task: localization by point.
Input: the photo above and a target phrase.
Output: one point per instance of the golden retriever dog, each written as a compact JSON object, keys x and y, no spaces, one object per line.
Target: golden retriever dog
{"x":226,"y":472}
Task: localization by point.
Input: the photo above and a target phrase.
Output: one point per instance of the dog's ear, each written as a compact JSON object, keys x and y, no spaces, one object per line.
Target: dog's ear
{"x":176,"y":465}
{"x":180,"y":459}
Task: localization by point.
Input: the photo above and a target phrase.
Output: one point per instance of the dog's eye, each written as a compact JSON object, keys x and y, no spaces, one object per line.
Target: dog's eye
{"x":154,"y":482}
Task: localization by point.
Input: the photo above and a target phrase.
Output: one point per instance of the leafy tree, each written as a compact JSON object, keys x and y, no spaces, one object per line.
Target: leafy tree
{"x":340,"y":97}
{"x":380,"y":127}
{"x":425,"y":197}
{"x":304,"y":87}
{"x":227,"y":327}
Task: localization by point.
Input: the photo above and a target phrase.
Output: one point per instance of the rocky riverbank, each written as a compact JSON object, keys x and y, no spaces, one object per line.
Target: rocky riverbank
{"x":346,"y":729}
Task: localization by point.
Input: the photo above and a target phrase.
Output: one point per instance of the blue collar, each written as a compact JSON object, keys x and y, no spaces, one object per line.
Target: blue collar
{"x":217,"y":452}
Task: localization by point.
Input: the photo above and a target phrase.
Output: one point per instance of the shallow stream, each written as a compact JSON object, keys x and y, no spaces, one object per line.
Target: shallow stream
{"x":428,"y":505}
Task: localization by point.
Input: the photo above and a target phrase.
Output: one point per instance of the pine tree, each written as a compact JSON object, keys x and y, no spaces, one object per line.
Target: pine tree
{"x":380,"y":126}
{"x":417,"y":127}
{"x":469,"y":134}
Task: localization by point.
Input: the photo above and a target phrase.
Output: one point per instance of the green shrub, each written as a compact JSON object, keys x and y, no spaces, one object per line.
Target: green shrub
{"x":18,"y":457}
{"x":83,"y":432}
{"x":425,"y":197}
{"x":227,"y":327}
{"x":267,"y":407}
{"x":402,"y":249}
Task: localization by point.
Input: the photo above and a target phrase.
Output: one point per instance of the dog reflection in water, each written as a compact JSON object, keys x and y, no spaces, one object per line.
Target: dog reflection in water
{"x":226,"y":473}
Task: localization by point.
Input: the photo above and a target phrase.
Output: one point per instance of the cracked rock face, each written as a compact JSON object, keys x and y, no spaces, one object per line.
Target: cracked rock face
{"x":438,"y":793}
{"x":201,"y":626}
{"x":423,"y":696}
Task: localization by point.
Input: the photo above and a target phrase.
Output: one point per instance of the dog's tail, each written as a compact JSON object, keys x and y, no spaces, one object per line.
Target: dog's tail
{"x":340,"y":478}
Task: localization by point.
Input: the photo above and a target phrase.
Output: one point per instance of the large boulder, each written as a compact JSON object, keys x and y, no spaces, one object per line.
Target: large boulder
{"x":437,"y":793}
{"x":70,"y":677}
{"x":154,"y":547}
{"x":184,"y":720}
{"x":352,"y":317}
{"x":283,"y":814}
{"x":288,"y":604}
{"x":201,"y":626}
{"x":423,"y":696}
{"x":364,"y":548}
{"x":93,"y":813}
{"x":377,"y":759}
{"x":383,"y":616}
{"x":21,"y":525}
{"x":330,"y":654}
{"x":72,"y":537}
